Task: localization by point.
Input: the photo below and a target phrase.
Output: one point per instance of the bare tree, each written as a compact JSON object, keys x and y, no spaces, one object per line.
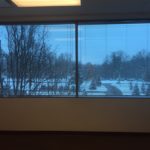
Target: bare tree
{"x":26,"y":58}
{"x":1,"y":71}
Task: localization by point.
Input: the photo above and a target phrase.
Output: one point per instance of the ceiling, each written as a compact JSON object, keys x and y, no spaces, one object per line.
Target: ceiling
{"x":90,"y":10}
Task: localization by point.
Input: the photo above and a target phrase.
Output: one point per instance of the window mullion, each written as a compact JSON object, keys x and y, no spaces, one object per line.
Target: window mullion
{"x":77,"y":59}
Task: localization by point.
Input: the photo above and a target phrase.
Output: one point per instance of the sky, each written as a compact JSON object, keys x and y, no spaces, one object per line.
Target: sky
{"x":95,"y":41}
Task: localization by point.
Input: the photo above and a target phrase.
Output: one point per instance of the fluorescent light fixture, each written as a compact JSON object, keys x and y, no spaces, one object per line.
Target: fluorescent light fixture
{"x":46,"y":3}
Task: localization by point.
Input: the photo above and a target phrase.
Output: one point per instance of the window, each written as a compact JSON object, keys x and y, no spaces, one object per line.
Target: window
{"x":114,"y":60}
{"x":37,"y":60}
{"x":40,"y":60}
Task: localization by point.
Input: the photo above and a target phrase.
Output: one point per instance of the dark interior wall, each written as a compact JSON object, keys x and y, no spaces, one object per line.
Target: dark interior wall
{"x":73,"y":141}
{"x":89,"y":10}
{"x":74,"y":18}
{"x":99,"y":115}
{"x":86,"y":115}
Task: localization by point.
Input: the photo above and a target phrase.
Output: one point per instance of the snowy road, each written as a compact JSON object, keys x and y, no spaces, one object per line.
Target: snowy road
{"x":112,"y":90}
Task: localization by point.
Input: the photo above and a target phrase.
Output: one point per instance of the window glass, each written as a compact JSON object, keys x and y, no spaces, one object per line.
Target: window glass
{"x":37,"y":60}
{"x":114,"y":60}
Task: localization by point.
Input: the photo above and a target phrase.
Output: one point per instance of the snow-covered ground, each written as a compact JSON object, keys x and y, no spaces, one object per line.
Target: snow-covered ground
{"x":65,"y":88}
{"x":123,"y":86}
{"x":85,"y":87}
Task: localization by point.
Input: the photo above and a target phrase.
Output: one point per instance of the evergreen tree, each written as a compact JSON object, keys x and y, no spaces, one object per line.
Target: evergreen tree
{"x":84,"y":93}
{"x":93,"y":85}
{"x":148,"y":91}
{"x":147,"y":76}
{"x":98,"y":81}
{"x":143,"y":88}
{"x":131,"y":86}
{"x":136,"y":91}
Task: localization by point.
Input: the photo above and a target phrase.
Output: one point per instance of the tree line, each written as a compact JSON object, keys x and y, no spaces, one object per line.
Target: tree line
{"x":119,"y":66}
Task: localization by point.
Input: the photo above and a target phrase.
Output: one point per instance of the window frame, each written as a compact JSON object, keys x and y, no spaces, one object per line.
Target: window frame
{"x":77,"y":24}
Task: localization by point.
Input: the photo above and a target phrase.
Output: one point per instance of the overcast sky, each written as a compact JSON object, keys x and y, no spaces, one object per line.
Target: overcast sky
{"x":95,"y":41}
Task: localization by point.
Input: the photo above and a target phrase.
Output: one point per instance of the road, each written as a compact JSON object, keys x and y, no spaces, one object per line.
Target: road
{"x":112,"y":90}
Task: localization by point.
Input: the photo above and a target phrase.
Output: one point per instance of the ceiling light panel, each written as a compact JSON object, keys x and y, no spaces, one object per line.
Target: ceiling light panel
{"x":46,"y":3}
